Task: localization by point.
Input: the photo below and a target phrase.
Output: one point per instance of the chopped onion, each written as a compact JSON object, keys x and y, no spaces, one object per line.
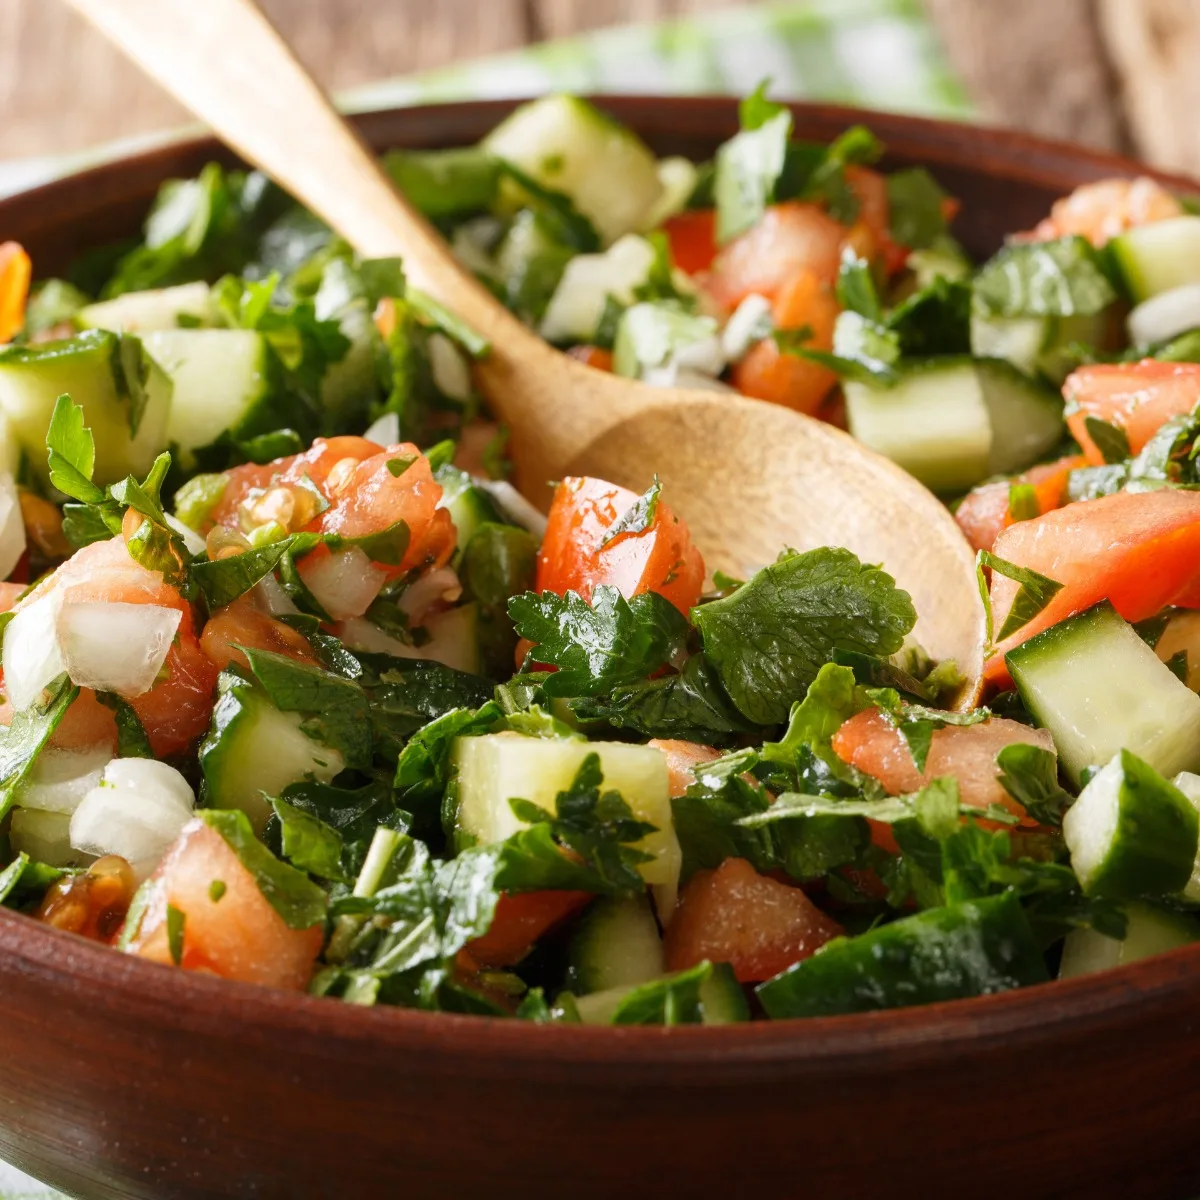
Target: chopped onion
{"x":12,"y":526}
{"x":114,"y":646}
{"x":61,"y":778}
{"x":449,"y":367}
{"x":426,"y":590}
{"x":360,"y":634}
{"x":751,"y":322}
{"x":32,"y":658}
{"x":514,"y":505}
{"x":274,"y":597}
{"x":704,"y":355}
{"x":45,"y":837}
{"x":136,"y":811}
{"x":191,"y":539}
{"x":385,"y":430}
{"x":675,"y":376}
{"x":344,"y":582}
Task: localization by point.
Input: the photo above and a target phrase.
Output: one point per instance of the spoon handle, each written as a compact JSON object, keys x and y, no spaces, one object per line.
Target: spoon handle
{"x":224,"y":62}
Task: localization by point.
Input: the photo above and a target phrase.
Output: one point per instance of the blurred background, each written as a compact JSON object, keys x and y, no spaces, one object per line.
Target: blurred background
{"x":1117,"y":74}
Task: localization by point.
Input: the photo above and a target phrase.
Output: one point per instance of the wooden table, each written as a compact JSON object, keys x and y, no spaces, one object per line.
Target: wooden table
{"x":1112,"y":73}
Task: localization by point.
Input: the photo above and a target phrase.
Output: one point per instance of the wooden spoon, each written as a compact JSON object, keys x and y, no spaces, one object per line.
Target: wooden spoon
{"x":749,"y":478}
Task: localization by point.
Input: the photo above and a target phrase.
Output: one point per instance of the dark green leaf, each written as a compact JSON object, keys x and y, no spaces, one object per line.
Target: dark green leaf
{"x":176,"y":924}
{"x":916,"y":205}
{"x":1023,"y":503}
{"x":223,"y":580}
{"x":563,"y":221}
{"x":308,"y":842}
{"x":1029,"y":775}
{"x":434,"y":313}
{"x":674,"y":1000}
{"x":72,"y":452}
{"x":1036,"y":591}
{"x":1110,"y":440}
{"x":132,"y":741}
{"x":445,"y":183}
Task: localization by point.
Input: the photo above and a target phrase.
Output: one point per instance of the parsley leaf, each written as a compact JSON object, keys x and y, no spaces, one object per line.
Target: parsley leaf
{"x":674,"y":1000}
{"x":770,"y":638}
{"x":72,"y":452}
{"x":1110,"y":439}
{"x":597,"y":647}
{"x":308,"y":842}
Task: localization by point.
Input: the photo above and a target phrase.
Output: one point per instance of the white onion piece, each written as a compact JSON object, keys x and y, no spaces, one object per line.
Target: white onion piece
{"x":274,"y":598}
{"x":360,"y":634}
{"x":45,"y":837}
{"x":32,"y":658}
{"x":704,"y":355}
{"x":116,"y":647}
{"x":61,"y":778}
{"x":1165,"y":316}
{"x":449,"y":367}
{"x":12,"y":526}
{"x":136,"y":812}
{"x":385,"y":430}
{"x":426,"y":590}
{"x":344,"y":582}
{"x":514,"y":506}
{"x":191,"y":539}
{"x":751,"y":322}
{"x":675,"y":376}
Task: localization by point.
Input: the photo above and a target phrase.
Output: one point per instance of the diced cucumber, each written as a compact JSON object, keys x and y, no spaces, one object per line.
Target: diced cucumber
{"x":529,"y":265}
{"x":934,"y":423}
{"x":252,"y":751}
{"x":88,"y":368}
{"x":575,"y":309}
{"x":145,"y":312}
{"x":1098,"y":688}
{"x":970,"y":949}
{"x":568,"y":145}
{"x":944,"y":258}
{"x":650,"y":336}
{"x":452,"y":639}
{"x":1181,"y":635}
{"x":1036,"y":345}
{"x":1189,"y":784}
{"x":497,"y":767}
{"x":10,"y":448}
{"x":616,"y":945}
{"x":721,"y":998}
{"x":1026,"y":416}
{"x":678,"y":178}
{"x":224,"y":379}
{"x":468,"y":504}
{"x":351,"y":385}
{"x":1149,"y":930}
{"x":1131,"y":833}
{"x":1165,"y":316}
{"x":45,"y":837}
{"x":1160,"y":256}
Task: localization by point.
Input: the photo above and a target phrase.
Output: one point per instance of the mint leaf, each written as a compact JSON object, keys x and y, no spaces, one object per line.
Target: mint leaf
{"x":72,"y":452}
{"x":1029,"y":775}
{"x":1060,"y":278}
{"x":1036,"y":591}
{"x":916,"y":208}
{"x":223,"y":580}
{"x":770,"y":638}
{"x":308,"y":842}
{"x":597,"y":647}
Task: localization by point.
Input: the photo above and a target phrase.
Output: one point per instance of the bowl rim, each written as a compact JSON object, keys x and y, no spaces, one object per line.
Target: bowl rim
{"x":1012,"y":1019}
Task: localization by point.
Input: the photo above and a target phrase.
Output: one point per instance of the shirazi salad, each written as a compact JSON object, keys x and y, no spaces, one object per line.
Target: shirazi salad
{"x":299,"y":691}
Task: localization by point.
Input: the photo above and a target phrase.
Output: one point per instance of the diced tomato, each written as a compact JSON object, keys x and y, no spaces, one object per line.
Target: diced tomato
{"x":520,"y":920}
{"x":9,"y":592}
{"x":682,"y":758}
{"x":15,"y":273}
{"x":243,"y":623}
{"x":1101,"y":210}
{"x":1139,"y":550}
{"x":756,"y":924}
{"x":984,"y":512}
{"x":870,"y":742}
{"x":693,"y":239}
{"x":769,"y":373}
{"x":592,"y":356}
{"x":238,"y":935}
{"x":871,"y":233}
{"x":789,"y":238}
{"x":661,"y":558}
{"x":1136,"y":397}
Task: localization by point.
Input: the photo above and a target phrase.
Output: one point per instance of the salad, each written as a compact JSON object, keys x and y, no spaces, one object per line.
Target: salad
{"x":299,"y":691}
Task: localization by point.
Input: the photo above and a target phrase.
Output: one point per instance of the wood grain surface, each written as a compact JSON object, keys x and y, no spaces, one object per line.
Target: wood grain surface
{"x":1113,"y":74}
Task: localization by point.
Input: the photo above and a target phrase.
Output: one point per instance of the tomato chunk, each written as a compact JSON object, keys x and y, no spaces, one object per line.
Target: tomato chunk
{"x":1099,"y":211}
{"x":682,"y":758}
{"x":769,"y":373}
{"x":871,"y":233}
{"x":756,"y":924}
{"x":789,"y":238}
{"x":1139,"y":550}
{"x":1136,"y":397}
{"x":692,"y":237}
{"x":521,"y":919}
{"x":984,"y":512}
{"x":238,"y":935}
{"x":15,"y":273}
{"x":592,"y":356}
{"x":870,"y":742}
{"x":661,"y":558}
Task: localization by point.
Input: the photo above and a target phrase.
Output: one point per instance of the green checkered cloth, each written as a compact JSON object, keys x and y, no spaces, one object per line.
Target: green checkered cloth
{"x":870,"y":53}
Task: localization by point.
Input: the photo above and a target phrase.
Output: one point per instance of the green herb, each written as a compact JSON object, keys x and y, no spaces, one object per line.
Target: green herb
{"x":223,"y":580}
{"x":1061,"y":278}
{"x":856,"y":288}
{"x":299,"y":901}
{"x":916,"y":205}
{"x":1023,"y":504}
{"x":423,"y":767}
{"x":918,"y":724}
{"x":22,"y":740}
{"x":436,"y":314}
{"x":638,"y":517}
{"x":674,"y":1000}
{"x":1110,"y":439}
{"x":196,"y":500}
{"x":52,"y":303}
{"x":308,"y":842}
{"x":397,"y":466}
{"x":1034,"y":593}
{"x":176,"y":923}
{"x":828,"y":183}
{"x":216,"y":890}
{"x":562,"y":220}
{"x":445,"y":183}
{"x":748,"y":168}
{"x":1029,"y":775}
{"x":72,"y":452}
{"x":597,"y":647}
{"x":132,"y":741}
{"x":771,"y":637}
{"x":24,"y":880}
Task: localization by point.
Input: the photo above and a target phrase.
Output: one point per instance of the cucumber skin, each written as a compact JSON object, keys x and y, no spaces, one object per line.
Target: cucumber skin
{"x":1155,"y":819}
{"x":969,"y":949}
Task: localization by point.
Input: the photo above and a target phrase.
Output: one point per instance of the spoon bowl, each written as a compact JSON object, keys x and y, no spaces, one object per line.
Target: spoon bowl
{"x":748,"y":478}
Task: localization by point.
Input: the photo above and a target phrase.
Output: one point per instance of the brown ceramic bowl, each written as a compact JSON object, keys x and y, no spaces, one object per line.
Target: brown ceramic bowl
{"x":119,"y":1078}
